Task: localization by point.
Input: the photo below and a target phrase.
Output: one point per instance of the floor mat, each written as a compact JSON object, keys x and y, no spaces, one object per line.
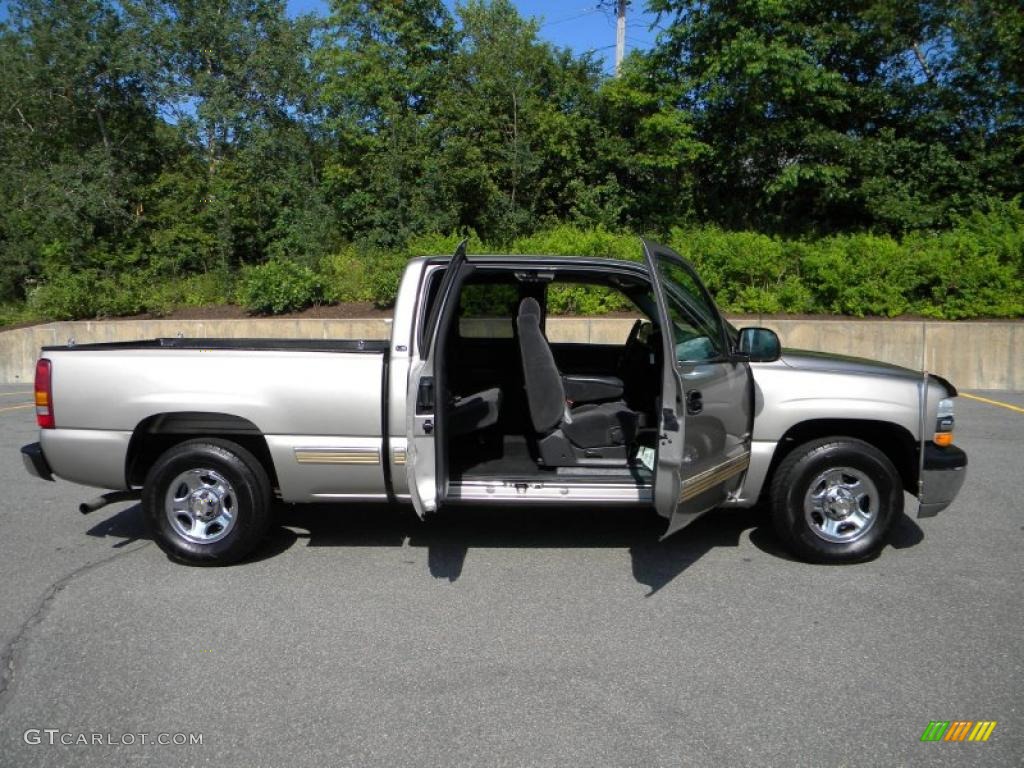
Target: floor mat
{"x":509,"y":456}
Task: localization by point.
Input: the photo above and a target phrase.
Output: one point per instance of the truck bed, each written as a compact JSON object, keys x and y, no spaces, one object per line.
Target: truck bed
{"x":318,"y":405}
{"x":260,"y":345}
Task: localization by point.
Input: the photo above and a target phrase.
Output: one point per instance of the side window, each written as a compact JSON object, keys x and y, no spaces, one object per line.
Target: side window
{"x":486,"y":310}
{"x":607,"y":313}
{"x":698,"y":335}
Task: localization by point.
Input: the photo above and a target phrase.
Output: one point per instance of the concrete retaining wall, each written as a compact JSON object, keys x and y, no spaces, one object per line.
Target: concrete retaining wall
{"x":973,"y":355}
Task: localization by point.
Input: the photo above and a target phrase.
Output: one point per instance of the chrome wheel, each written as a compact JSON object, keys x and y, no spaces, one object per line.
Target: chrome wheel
{"x":841,"y":505}
{"x":201,"y":506}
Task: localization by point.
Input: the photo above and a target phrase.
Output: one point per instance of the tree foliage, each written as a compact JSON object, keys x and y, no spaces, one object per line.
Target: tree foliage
{"x":158,"y":152}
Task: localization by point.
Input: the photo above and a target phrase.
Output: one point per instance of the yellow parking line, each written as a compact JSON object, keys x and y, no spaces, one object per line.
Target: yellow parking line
{"x":16,"y":407}
{"x":1016,"y":408}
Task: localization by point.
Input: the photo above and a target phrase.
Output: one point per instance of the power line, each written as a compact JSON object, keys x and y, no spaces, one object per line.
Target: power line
{"x":564,"y":19}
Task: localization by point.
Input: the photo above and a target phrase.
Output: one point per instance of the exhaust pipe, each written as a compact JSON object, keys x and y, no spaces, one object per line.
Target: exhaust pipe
{"x":108,"y":498}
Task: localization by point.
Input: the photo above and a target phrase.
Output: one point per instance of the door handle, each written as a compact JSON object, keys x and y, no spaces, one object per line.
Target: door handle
{"x":694,"y":402}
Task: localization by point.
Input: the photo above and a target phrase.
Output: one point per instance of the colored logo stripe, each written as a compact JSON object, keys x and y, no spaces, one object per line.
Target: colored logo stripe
{"x":958,"y":730}
{"x":982,"y":730}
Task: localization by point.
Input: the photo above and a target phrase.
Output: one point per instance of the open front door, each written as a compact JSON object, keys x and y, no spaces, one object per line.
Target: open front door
{"x":668,"y":480}
{"x":426,"y":462}
{"x":706,"y":399}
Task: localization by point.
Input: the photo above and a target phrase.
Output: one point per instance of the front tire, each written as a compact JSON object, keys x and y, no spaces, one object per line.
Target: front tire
{"x":207,"y":502}
{"x":835,"y":500}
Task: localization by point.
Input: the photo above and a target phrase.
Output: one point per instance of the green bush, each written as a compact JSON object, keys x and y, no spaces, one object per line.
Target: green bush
{"x":66,"y":295}
{"x":385,"y":271}
{"x":567,"y":240}
{"x":975,"y":269}
{"x":89,"y":293}
{"x":567,"y":299}
{"x":279,"y":286}
{"x":860,"y":275}
{"x":168,"y":292}
{"x":16,"y":313}
{"x":380,"y":271}
{"x":345,"y":276}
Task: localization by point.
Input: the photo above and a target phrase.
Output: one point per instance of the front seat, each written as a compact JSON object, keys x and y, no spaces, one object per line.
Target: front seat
{"x":475,"y":412}
{"x":570,"y":433}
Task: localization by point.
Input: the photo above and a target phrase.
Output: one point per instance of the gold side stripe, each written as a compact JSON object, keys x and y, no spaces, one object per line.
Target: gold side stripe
{"x":709,"y":478}
{"x":337,"y":456}
{"x":398,"y":455}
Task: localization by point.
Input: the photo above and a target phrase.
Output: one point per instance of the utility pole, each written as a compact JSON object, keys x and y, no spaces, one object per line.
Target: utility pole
{"x":620,"y":34}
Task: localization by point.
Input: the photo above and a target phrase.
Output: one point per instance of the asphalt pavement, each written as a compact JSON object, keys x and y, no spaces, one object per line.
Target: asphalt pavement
{"x":359,"y":636}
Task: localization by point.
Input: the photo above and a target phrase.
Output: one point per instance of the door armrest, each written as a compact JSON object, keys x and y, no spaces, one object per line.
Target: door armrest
{"x":592,"y":389}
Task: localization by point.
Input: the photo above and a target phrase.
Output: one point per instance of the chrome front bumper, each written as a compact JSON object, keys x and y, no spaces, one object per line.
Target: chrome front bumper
{"x":943,"y":474}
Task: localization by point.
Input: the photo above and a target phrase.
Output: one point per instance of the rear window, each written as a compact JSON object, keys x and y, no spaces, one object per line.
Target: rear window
{"x":486,"y":310}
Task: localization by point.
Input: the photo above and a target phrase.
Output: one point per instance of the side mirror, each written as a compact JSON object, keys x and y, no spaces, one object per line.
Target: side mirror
{"x":759,"y":345}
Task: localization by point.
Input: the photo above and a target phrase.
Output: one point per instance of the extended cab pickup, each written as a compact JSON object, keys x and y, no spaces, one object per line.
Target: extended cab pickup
{"x":470,"y":402}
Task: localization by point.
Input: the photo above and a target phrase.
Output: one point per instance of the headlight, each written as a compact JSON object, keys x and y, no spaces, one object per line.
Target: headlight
{"x":944,"y":421}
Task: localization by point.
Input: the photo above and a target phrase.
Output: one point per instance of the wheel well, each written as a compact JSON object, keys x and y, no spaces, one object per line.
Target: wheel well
{"x":156,"y":434}
{"x":891,"y":439}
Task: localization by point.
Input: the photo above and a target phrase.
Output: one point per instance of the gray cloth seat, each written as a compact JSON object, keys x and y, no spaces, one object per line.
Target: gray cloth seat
{"x":475,"y":412}
{"x":597,"y":424}
{"x":588,"y":428}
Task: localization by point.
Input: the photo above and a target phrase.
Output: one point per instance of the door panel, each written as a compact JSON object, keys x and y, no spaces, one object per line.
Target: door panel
{"x":717,"y":395}
{"x":718,"y":414}
{"x":427,"y":393}
{"x":717,"y":444}
{"x":671,"y":416}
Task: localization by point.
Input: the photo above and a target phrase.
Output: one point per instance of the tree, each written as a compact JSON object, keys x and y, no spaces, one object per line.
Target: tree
{"x":517,"y":120}
{"x":77,"y":138}
{"x":233,"y":82}
{"x":380,"y":68}
{"x":824,"y":116}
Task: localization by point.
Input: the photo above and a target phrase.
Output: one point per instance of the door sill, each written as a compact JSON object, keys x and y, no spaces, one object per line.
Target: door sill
{"x":549,"y":492}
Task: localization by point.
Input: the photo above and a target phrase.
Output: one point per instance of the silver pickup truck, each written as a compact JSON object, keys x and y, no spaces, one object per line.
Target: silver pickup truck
{"x":473,"y":401}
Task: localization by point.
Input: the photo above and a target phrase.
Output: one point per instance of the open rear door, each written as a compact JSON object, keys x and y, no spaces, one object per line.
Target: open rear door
{"x":426,"y":463}
{"x":668,"y":480}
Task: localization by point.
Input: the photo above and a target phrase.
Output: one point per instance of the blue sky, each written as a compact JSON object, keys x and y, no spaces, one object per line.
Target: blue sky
{"x":576,"y":24}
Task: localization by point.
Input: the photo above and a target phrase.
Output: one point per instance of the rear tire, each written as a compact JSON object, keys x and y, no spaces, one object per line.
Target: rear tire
{"x":207,"y":502}
{"x":835,"y":500}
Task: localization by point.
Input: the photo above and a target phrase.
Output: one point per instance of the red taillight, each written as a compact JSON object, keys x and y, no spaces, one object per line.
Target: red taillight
{"x":44,"y":395}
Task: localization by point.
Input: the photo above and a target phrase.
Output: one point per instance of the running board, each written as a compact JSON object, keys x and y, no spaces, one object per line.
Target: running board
{"x":570,"y":493}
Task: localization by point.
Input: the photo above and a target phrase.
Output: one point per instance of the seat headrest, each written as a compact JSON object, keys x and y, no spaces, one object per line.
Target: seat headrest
{"x":529,"y":307}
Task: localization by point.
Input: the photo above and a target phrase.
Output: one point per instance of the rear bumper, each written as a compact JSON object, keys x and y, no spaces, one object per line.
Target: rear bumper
{"x":944,"y":472}
{"x":35,"y":461}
